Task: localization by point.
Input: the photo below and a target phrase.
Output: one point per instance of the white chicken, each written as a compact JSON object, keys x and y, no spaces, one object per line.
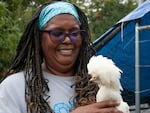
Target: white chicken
{"x":107,"y":75}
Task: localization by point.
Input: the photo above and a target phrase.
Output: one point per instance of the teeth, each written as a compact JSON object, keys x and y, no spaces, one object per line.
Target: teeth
{"x":66,"y":51}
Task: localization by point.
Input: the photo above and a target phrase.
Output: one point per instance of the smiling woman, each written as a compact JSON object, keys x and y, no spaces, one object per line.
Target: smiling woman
{"x":61,"y":55}
{"x":49,"y":72}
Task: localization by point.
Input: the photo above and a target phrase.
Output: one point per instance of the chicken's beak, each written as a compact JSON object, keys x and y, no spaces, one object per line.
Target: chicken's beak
{"x":94,"y":78}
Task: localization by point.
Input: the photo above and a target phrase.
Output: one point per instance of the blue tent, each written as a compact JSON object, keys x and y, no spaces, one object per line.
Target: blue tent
{"x":127,"y":43}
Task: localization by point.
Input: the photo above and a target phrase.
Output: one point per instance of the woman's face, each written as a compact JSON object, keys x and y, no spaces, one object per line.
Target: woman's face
{"x":60,"y":56}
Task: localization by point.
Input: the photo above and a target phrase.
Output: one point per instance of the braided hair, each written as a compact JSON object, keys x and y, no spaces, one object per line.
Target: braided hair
{"x":29,"y":58}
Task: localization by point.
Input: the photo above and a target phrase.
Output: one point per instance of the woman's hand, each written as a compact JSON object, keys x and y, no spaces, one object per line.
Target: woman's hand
{"x":99,"y":107}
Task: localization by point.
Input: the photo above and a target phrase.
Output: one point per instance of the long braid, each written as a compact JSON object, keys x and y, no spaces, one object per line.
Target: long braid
{"x":37,"y":86}
{"x":85,"y":90}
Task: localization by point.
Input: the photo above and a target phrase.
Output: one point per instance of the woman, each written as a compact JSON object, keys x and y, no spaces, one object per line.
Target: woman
{"x":48,"y":73}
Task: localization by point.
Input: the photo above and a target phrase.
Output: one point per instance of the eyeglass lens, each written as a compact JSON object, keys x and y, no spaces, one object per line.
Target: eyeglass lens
{"x":59,"y":36}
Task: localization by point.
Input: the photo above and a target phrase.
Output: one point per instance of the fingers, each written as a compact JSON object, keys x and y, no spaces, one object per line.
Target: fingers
{"x":108,"y":104}
{"x":109,"y":110}
{"x":99,"y":107}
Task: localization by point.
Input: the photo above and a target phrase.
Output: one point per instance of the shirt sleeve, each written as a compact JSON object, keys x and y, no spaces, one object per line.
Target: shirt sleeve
{"x":12,"y":99}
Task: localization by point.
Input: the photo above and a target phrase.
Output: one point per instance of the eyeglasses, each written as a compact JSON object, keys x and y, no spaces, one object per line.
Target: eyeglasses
{"x":59,"y":36}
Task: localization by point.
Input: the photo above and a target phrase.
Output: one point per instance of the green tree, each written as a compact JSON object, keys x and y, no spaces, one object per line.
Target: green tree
{"x":9,"y":32}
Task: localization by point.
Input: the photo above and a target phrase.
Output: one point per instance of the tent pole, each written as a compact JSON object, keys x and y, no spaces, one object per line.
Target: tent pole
{"x":137,"y":70}
{"x":108,"y":37}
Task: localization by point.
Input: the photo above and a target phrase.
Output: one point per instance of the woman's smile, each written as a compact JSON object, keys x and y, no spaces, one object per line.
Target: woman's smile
{"x":65,"y":51}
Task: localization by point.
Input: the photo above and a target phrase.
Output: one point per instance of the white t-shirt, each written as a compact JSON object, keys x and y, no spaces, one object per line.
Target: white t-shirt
{"x":12,"y":93}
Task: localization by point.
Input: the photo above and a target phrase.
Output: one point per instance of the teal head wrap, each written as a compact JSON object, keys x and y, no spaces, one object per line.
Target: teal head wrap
{"x":55,"y":9}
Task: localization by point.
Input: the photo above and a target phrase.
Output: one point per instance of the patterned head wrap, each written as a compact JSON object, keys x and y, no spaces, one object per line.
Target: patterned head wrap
{"x":55,"y":9}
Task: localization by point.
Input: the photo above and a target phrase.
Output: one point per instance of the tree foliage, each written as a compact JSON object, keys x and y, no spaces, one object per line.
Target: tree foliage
{"x":9,"y":31}
{"x":14,"y":14}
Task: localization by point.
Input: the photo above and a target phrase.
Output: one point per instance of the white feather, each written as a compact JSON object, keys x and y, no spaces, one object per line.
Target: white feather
{"x":107,"y":75}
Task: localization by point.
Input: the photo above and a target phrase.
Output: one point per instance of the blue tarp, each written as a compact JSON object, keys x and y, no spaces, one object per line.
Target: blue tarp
{"x":118,"y":43}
